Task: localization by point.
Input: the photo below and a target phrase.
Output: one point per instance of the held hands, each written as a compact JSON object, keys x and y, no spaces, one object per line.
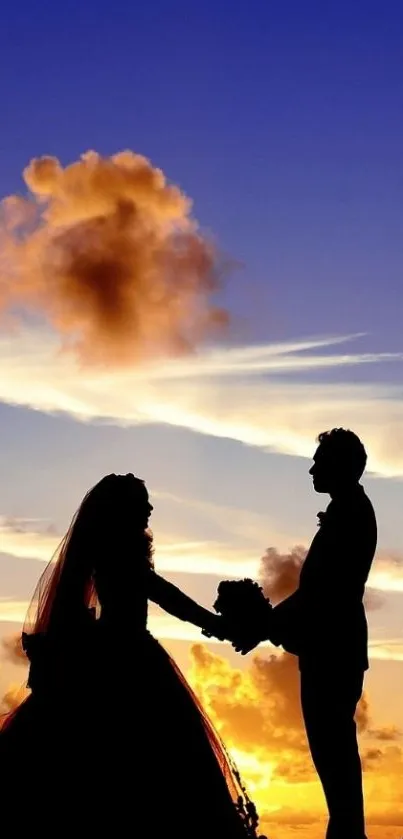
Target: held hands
{"x":244,"y":644}
{"x":216,"y":628}
{"x":245,"y":615}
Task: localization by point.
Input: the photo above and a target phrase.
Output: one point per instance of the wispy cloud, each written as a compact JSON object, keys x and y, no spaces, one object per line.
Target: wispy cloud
{"x":13,"y":611}
{"x":274,"y":358}
{"x":387,"y":573}
{"x":20,"y":539}
{"x":390,"y":649}
{"x":200,"y":557}
{"x":173,"y":554}
{"x":238,"y":393}
{"x":242,"y":526}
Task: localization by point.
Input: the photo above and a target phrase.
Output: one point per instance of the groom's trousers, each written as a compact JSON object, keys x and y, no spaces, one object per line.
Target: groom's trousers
{"x":329,"y":700}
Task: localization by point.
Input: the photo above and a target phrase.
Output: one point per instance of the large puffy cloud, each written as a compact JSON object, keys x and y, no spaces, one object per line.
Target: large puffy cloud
{"x":279,"y":575}
{"x":107,"y":252}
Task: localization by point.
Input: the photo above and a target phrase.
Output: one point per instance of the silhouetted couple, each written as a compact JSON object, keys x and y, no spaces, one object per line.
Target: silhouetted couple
{"x":112,"y":738}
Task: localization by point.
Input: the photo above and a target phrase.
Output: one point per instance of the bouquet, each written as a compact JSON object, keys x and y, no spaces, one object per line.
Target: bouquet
{"x":245,"y":612}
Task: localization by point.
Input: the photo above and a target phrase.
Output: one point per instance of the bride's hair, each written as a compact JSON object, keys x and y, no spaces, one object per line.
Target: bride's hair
{"x":108,"y":526}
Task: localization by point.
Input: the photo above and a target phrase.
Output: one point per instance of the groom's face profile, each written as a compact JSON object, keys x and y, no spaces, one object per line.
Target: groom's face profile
{"x":323,"y":470}
{"x":339,"y":461}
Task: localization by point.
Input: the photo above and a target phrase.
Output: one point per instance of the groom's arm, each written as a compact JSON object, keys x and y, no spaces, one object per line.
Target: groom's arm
{"x":280,"y":628}
{"x":284,"y":623}
{"x":342,"y":572}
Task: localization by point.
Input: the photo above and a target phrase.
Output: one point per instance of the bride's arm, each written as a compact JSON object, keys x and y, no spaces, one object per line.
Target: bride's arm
{"x":173,"y":600}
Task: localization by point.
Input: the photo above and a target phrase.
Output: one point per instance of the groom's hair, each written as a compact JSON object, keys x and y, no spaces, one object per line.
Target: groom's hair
{"x":347,"y":448}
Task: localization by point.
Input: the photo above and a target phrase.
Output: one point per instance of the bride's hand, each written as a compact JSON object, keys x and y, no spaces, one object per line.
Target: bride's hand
{"x":215,"y":628}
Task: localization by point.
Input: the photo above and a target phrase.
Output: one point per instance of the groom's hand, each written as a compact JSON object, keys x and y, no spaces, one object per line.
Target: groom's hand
{"x":245,"y":644}
{"x":251,"y":635}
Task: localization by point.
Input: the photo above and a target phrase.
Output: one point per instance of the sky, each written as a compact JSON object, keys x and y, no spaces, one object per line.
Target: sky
{"x":282,"y":123}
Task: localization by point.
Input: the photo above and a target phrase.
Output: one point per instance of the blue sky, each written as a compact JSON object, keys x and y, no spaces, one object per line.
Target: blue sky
{"x":283,"y":123}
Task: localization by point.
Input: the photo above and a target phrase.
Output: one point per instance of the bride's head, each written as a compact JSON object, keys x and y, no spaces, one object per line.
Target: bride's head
{"x":115,"y":515}
{"x":116,"y":506}
{"x":108,"y":542}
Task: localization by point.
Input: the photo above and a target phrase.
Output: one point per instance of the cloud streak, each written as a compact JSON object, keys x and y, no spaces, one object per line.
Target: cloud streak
{"x":207,"y":557}
{"x":173,"y":555}
{"x":20,"y":540}
{"x":254,"y":395}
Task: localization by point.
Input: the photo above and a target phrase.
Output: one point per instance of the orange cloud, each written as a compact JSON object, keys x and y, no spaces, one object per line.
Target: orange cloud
{"x":257,"y":710}
{"x":108,"y":253}
{"x":258,"y":714}
{"x":13,"y":650}
{"x":13,"y":697}
{"x":279,"y":575}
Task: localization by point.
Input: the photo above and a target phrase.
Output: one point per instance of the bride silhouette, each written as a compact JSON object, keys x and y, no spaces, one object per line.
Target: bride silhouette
{"x":111,"y":734}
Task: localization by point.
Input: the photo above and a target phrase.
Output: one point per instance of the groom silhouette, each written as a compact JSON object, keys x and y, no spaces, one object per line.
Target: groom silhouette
{"x":324,"y":624}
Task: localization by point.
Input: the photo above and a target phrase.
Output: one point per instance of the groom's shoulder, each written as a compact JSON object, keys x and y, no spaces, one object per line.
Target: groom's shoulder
{"x":367,"y":509}
{"x":352,"y":503}
{"x":355,"y":507}
{"x":361,"y":502}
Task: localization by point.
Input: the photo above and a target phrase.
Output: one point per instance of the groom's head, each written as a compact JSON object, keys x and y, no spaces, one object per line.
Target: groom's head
{"x":339,"y":461}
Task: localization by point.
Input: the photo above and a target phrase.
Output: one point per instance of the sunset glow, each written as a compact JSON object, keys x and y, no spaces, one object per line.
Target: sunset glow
{"x":200,"y":271}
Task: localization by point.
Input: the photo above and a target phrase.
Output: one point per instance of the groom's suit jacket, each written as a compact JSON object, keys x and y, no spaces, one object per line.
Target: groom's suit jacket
{"x":324,"y":621}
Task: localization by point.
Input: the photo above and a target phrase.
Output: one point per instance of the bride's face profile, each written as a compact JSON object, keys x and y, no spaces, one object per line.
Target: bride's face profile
{"x":120,"y":518}
{"x":142,"y":507}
